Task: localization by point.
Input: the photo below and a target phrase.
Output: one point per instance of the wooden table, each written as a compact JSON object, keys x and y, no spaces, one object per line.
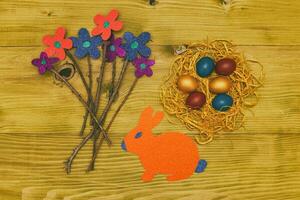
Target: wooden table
{"x":40,"y":121}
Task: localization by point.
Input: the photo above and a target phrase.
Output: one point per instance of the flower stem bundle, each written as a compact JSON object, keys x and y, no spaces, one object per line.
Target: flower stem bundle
{"x":91,"y":45}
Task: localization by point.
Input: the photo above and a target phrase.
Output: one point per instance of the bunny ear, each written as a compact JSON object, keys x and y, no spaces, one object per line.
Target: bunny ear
{"x":157,"y":118}
{"x":146,"y":116}
{"x":149,"y":121}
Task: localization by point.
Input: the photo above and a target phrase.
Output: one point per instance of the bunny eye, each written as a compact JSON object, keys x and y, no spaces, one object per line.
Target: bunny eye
{"x":138,"y":135}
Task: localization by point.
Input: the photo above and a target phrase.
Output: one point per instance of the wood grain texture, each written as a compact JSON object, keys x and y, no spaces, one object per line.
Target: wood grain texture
{"x":40,"y":122}
{"x":256,"y":22}
{"x":262,"y":166}
{"x":32,"y":103}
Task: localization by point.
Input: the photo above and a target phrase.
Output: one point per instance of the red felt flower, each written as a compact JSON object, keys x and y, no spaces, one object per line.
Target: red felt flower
{"x":105,"y":24}
{"x":57,"y":44}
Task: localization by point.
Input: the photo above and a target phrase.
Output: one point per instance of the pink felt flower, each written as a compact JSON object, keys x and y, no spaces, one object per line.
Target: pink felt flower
{"x":57,"y":44}
{"x":107,"y":24}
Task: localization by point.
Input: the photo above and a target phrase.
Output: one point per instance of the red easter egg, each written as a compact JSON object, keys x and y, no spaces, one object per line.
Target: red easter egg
{"x":225,"y":66}
{"x":196,"y":100}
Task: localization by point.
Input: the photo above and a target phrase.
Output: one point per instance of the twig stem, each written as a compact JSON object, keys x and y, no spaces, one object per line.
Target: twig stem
{"x":90,"y":103}
{"x":89,"y":92}
{"x":78,"y":95}
{"x":77,"y":67}
{"x":95,"y":132}
{"x":113,"y":77}
{"x":98,"y":146}
{"x":90,"y":75}
{"x":100,"y":79}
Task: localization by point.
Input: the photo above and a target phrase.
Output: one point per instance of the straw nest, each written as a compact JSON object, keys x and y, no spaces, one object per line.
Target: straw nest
{"x":208,"y":121}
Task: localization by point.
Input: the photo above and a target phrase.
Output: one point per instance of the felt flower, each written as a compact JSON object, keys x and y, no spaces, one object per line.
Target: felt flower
{"x":143,"y":67}
{"x":57,"y":44}
{"x":44,"y":63}
{"x":135,"y":45}
{"x":106,"y":24}
{"x":86,"y":45}
{"x":115,"y":49}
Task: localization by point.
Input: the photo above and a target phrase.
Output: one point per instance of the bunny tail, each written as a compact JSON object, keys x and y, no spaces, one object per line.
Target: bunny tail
{"x":201,"y":166}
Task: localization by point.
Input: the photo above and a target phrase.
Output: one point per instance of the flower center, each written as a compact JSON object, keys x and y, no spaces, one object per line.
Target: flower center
{"x":106,"y":24}
{"x":112,"y":48}
{"x":143,"y":66}
{"x":43,"y":62}
{"x":57,"y":44}
{"x":134,"y":45}
{"x":86,"y":44}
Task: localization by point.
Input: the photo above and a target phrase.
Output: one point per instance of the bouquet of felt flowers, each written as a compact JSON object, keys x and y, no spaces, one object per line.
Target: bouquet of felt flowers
{"x":102,"y":44}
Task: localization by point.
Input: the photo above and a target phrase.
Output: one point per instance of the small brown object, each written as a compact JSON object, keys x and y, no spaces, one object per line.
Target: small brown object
{"x":225,"y":66}
{"x":220,"y":84}
{"x":187,"y":83}
{"x":196,"y":100}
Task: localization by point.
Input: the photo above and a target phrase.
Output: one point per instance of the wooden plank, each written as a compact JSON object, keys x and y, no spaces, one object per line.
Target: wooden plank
{"x":256,"y":22}
{"x":39,"y":122}
{"x":263,"y":166}
{"x":30,"y":103}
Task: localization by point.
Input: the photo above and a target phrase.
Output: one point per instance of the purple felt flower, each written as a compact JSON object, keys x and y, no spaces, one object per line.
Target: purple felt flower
{"x":142,"y":66}
{"x":114,"y":49}
{"x":44,"y":63}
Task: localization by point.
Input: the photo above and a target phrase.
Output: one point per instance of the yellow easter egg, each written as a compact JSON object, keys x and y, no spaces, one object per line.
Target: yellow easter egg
{"x":187,"y":83}
{"x":220,"y":84}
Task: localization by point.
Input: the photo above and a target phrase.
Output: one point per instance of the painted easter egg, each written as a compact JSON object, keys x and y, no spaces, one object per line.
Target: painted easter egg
{"x":220,"y":84}
{"x":205,"y":66}
{"x":222,"y":102}
{"x":225,"y":66}
{"x":196,"y":100}
{"x":187,"y":83}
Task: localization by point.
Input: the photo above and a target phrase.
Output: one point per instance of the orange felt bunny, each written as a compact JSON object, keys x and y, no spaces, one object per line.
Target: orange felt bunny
{"x":173,"y":154}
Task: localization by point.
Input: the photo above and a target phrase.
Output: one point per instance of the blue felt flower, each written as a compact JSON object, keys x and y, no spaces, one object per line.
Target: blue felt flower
{"x":136,"y":45}
{"x":86,"y":45}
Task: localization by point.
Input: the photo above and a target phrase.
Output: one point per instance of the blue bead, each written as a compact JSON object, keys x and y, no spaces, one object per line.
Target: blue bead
{"x":222,"y":102}
{"x":123,"y":145}
{"x":138,"y":135}
{"x":205,"y":66}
